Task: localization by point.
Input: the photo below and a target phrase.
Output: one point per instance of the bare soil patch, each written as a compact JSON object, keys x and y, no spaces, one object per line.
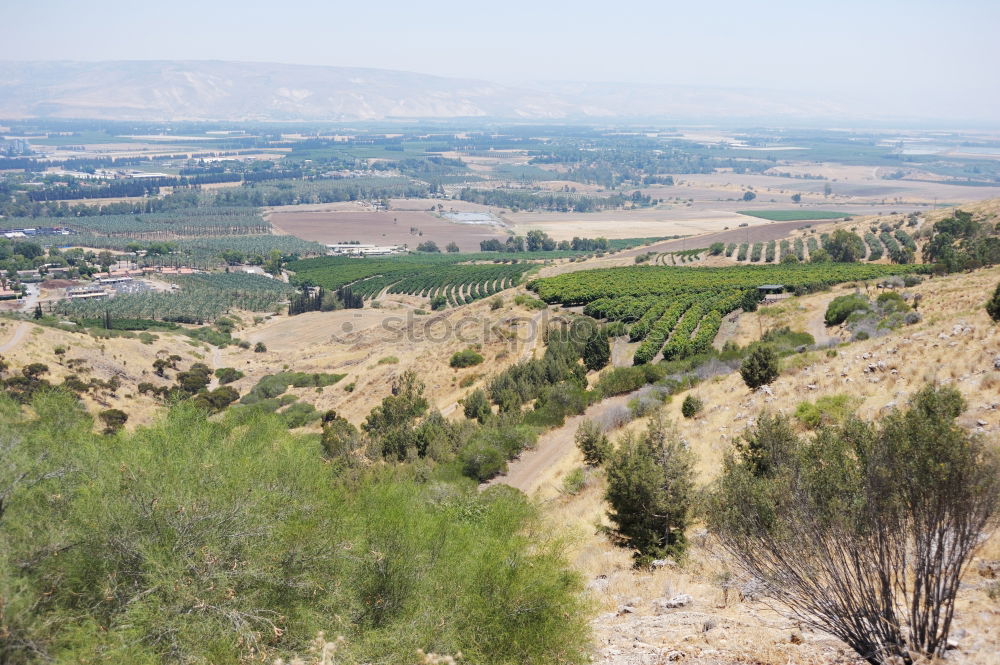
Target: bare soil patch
{"x":391,"y":227}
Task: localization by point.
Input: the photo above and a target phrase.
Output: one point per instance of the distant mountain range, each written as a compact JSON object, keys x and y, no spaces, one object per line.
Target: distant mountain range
{"x":250,"y":91}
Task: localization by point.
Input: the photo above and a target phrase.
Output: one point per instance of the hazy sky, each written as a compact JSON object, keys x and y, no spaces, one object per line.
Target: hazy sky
{"x":876,"y":49}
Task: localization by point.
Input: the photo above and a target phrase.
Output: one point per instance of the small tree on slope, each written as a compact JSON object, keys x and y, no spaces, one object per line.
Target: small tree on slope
{"x":993,"y":305}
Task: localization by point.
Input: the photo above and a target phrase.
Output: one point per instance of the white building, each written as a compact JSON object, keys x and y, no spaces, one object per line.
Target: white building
{"x":349,"y":249}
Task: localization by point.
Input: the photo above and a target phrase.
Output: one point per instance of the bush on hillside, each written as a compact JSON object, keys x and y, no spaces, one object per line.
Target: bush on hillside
{"x":114,"y":420}
{"x":842,"y":307}
{"x":476,"y":406}
{"x":592,"y":442}
{"x":691,"y":406}
{"x":760,"y":367}
{"x":466,"y":358}
{"x":826,"y":410}
{"x":845,"y":247}
{"x":621,"y":380}
{"x":848,"y":527}
{"x":228,"y":375}
{"x":993,"y":305}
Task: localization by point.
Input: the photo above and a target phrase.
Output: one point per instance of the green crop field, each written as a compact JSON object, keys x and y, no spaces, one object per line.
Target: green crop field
{"x":794,"y":215}
{"x":201,"y":298}
{"x":460,"y":278}
{"x":220,"y":221}
{"x":679,"y":310}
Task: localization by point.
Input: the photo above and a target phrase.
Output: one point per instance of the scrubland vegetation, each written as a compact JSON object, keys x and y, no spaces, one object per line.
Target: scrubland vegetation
{"x":231,"y":541}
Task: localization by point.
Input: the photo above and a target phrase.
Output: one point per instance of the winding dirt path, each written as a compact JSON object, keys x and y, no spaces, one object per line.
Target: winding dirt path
{"x":527,"y":472}
{"x":19,"y":333}
{"x":816,"y":324}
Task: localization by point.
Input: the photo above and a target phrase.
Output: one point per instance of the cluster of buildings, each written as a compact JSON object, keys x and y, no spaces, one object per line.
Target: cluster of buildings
{"x":355,"y":249}
{"x":36,"y":231}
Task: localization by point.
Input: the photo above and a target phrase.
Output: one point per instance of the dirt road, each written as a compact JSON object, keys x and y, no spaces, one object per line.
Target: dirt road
{"x":527,"y":472}
{"x":19,"y":334}
{"x":31,"y":299}
{"x":816,"y":324}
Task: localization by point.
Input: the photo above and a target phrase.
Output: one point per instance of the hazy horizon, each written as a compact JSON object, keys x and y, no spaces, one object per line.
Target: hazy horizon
{"x":898,"y":57}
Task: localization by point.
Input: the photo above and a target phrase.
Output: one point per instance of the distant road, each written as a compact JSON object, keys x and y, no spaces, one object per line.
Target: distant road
{"x":32,"y":299}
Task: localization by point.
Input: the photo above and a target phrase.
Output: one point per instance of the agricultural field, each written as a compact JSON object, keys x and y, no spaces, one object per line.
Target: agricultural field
{"x":208,"y":249}
{"x":794,"y":215}
{"x":450,"y":276}
{"x":201,"y":299}
{"x":388,"y":227}
{"x":583,"y":287}
{"x":216,"y":221}
{"x":678,"y":311}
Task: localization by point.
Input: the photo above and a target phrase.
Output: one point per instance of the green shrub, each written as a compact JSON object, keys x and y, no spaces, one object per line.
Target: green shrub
{"x":844,"y":246}
{"x":299,"y":414}
{"x":210,"y":336}
{"x":466,"y":358}
{"x":691,"y":406}
{"x":592,"y":442}
{"x":228,"y":375}
{"x":616,"y":329}
{"x":843,"y":306}
{"x":273,"y":385}
{"x":760,"y":367}
{"x":556,"y":403}
{"x":477,"y":406}
{"x":574,"y":481}
{"x":621,"y":380}
{"x":259,"y":347}
{"x":891,"y":301}
{"x":827,"y":410}
{"x":216,"y":400}
{"x":993,"y":305}
{"x":481,"y":461}
{"x":114,"y":420}
{"x":785,"y":340}
{"x":529,"y":302}
{"x":596,"y":351}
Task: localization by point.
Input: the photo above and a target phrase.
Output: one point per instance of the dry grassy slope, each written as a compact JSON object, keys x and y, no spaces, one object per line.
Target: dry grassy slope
{"x":955,"y":344}
{"x":352,"y":342}
{"x":128,"y":359}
